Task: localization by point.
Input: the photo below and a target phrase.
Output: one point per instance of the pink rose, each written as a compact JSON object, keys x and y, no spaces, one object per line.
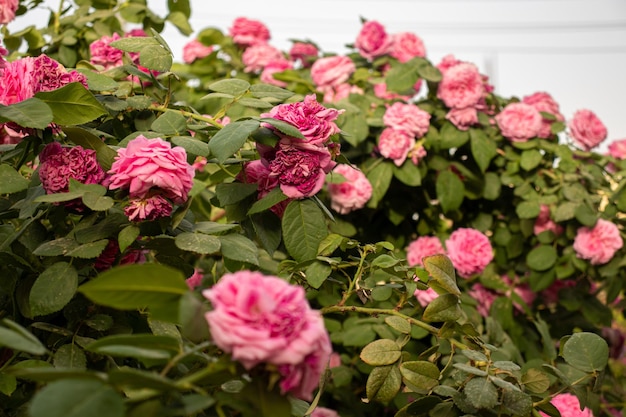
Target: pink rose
{"x":303,"y":52}
{"x":519,"y":122}
{"x":407,"y":45}
{"x":247,"y":32}
{"x":484,"y":298}
{"x":395,"y":144}
{"x":380,"y":91}
{"x":544,"y":222}
{"x":339,"y":92}
{"x":258,"y":172}
{"x":522,"y":290}
{"x":469,"y":250}
{"x":617,"y":149}
{"x":417,"y":153}
{"x":148,"y":208}
{"x":586,"y":129}
{"x":448,"y":62}
{"x":194,"y":49}
{"x":461,"y":86}
{"x":195,"y":279}
{"x":17,"y":82}
{"x":7,"y":10}
{"x":324,"y":412}
{"x":569,"y":406}
{"x":147,"y":165}
{"x":301,"y":379}
{"x":425,"y":297}
{"x":598,"y":243}
{"x":373,"y":41}
{"x":258,"y":56}
{"x":102,"y":53}
{"x":422,"y":247}
{"x":544,"y":102}
{"x":332,"y":71}
{"x":463,"y":118}
{"x":407,"y":117}
{"x":58,"y":165}
{"x":353,"y":193}
{"x":49,"y":75}
{"x":267,"y":76}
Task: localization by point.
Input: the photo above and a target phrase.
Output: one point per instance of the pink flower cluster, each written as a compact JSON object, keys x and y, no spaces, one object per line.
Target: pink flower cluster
{"x":568,"y":406}
{"x":599,"y":243}
{"x":107,"y":56}
{"x":544,"y":103}
{"x":404,"y":122}
{"x":153,"y":172}
{"x":260,"y":319}
{"x":353,"y":193}
{"x":7,"y":10}
{"x":194,"y":49}
{"x":469,"y":250}
{"x":373,"y":41}
{"x":587,"y":129}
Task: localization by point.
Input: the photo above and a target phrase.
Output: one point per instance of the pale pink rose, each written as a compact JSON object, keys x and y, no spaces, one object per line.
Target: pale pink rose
{"x":58,"y":165}
{"x":425,"y":297}
{"x":147,"y":208}
{"x":313,"y":120}
{"x":544,"y":102}
{"x":267,"y":76}
{"x":469,"y":250}
{"x":587,"y":129}
{"x":598,"y":243}
{"x":351,"y":194}
{"x":373,"y":41}
{"x":332,"y":71}
{"x":324,"y":412}
{"x":305,"y":53}
{"x":568,"y":406}
{"x":484,"y":298}
{"x":247,"y":32}
{"x":7,"y":10}
{"x":339,"y":92}
{"x":448,"y":62}
{"x":407,"y":45}
{"x":417,"y":153}
{"x":263,"y":319}
{"x":544,"y":222}
{"x":194,"y":49}
{"x":461,"y":86}
{"x":380,"y":91}
{"x":102,"y":53}
{"x":617,"y":149}
{"x":422,"y":247}
{"x":195,"y":279}
{"x":17,"y":82}
{"x":395,"y":145}
{"x":407,"y":117}
{"x":519,"y":122}
{"x":258,"y":56}
{"x":463,"y":118}
{"x":152,"y":165}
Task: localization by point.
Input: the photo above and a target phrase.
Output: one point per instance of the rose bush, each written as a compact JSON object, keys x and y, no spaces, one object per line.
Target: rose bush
{"x":296,"y":252}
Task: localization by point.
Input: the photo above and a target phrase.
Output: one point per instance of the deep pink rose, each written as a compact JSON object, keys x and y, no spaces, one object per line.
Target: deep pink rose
{"x":373,"y":41}
{"x":395,"y":144}
{"x":17,"y":82}
{"x":425,"y":297}
{"x":544,"y":222}
{"x":484,"y":298}
{"x":195,"y":279}
{"x":587,"y":129}
{"x":407,"y":117}
{"x":461,"y":86}
{"x":339,"y":92}
{"x":544,"y":102}
{"x":598,"y":243}
{"x":448,"y":62}
{"x":469,"y":250}
{"x":49,"y":75}
{"x":247,"y":32}
{"x":519,"y":122}
{"x":147,"y":209}
{"x":332,"y":71}
{"x":194,"y":49}
{"x":7,"y":10}
{"x":3,"y":53}
{"x":267,"y":76}
{"x":422,"y":247}
{"x":58,"y":165}
{"x":302,"y":52}
{"x":263,"y":319}
{"x":147,"y":165}
{"x":258,"y":172}
{"x":258,"y":56}
{"x":569,"y":406}
{"x":463,"y":118}
{"x":351,"y":194}
{"x":324,"y":412}
{"x":102,"y":53}
{"x":617,"y":149}
{"x":407,"y":45}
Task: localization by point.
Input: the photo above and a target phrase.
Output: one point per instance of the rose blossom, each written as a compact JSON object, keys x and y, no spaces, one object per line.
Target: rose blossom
{"x":195,"y":279}
{"x":395,"y":145}
{"x":448,"y":62}
{"x":324,"y":412}
{"x":463,"y":118}
{"x":258,"y":172}
{"x":373,"y":41}
{"x":49,"y":75}
{"x":58,"y":165}
{"x":586,"y":129}
{"x":568,"y":406}
{"x":148,"y":209}
{"x":332,"y":71}
{"x":102,"y":53}
{"x":380,"y":91}
{"x":147,"y":164}
{"x":17,"y":82}
{"x":303,"y":52}
{"x":417,"y":153}
{"x":407,"y":117}
{"x":425,"y":297}
{"x":617,"y":149}
{"x":247,"y":32}
{"x":194,"y":49}
{"x":339,"y":92}
{"x":422,"y":247}
{"x":544,"y":222}
{"x":544,"y":102}
{"x":407,"y":45}
{"x":267,"y":76}
{"x":598,"y":243}
{"x":484,"y":298}
{"x":461,"y":86}
{"x":519,"y":122}
{"x":258,"y":56}
{"x":7,"y":10}
{"x":353,"y":193}
{"x":301,"y":379}
{"x":469,"y":250}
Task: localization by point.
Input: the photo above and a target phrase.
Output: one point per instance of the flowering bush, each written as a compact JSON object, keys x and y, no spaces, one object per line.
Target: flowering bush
{"x":296,"y":253}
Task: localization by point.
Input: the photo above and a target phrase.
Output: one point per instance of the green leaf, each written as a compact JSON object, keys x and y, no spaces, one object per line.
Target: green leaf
{"x":57,"y":247}
{"x":53,"y":289}
{"x":304,"y":228}
{"x":380,"y":177}
{"x":403,"y":77}
{"x":472,"y":370}
{"x":8,"y":384}
{"x":450,"y":191}
{"x":127,"y":236}
{"x":269,"y":91}
{"x":530,"y":159}
{"x":528,"y":209}
{"x":255,"y":103}
{"x":381,"y":352}
{"x":429,"y":73}
{"x":517,"y":403}
{"x":191,"y":145}
{"x":441,"y":270}
{"x":127,"y":377}
{"x":565,"y":211}
{"x":420,"y":375}
{"x":170,"y":123}
{"x":32,"y":112}
{"x":443,"y":308}
{"x":541,"y":258}
{"x":156,"y":58}
{"x":234,"y":192}
{"x":586,"y":351}
{"x":70,"y":356}
{"x":11,"y":181}
{"x":231,"y":138}
{"x":283,"y":127}
{"x":586,"y":215}
{"x":15,"y":337}
{"x":77,"y":398}
{"x":181,"y":22}
{"x":239,"y":248}
{"x":72,"y":105}
{"x":267,"y":228}
{"x":408,"y":174}
{"x":272,"y":198}
{"x":384,"y":261}
{"x":210,"y":36}
{"x":98,"y":82}
{"x":451,"y":137}
{"x":232,"y":86}
{"x":329,"y":244}
{"x":134,"y":43}
{"x":481,"y":393}
{"x":383,"y":383}
{"x":399,"y":324}
{"x":89,"y":250}
{"x":535,"y":381}
{"x":483,"y":148}
{"x":198,"y":243}
{"x":140,"y":346}
{"x":317,"y":273}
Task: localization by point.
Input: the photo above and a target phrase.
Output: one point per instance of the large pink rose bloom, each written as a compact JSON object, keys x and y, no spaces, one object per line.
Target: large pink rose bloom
{"x":422,"y":247}
{"x":351,"y":194}
{"x":332,"y":71}
{"x":147,"y":165}
{"x":395,"y":144}
{"x":373,"y":41}
{"x":406,"y":46}
{"x":544,"y":102}
{"x":587,"y":129}
{"x":519,"y":122}
{"x":464,"y":118}
{"x":258,"y":56}
{"x":58,"y":165}
{"x":469,"y":250}
{"x":194,"y":49}
{"x":49,"y":75}
{"x":599,"y":243}
{"x":7,"y":10}
{"x":569,"y":406}
{"x":617,"y":149}
{"x":461,"y":86}
{"x":102,"y":53}
{"x":407,"y":117}
{"x":17,"y":82}
{"x":247,"y":32}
